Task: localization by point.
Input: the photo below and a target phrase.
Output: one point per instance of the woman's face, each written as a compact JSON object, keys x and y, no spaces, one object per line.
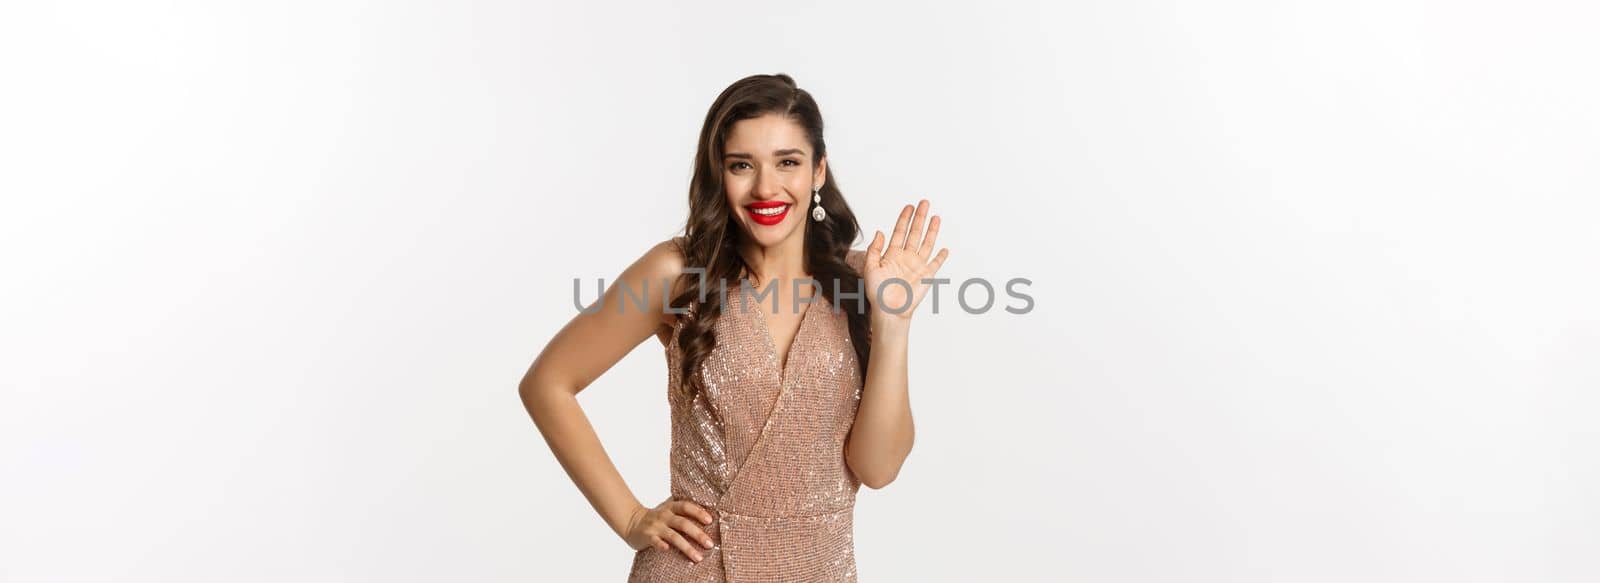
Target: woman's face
{"x":768,"y":174}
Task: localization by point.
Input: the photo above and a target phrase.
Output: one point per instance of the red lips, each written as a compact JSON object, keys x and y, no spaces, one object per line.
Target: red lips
{"x":767,"y":220}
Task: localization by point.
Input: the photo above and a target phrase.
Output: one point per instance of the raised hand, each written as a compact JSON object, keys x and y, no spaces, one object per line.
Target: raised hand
{"x":905,"y":258}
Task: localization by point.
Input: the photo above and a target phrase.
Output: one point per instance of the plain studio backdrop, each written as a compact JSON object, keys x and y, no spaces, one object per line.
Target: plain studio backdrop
{"x":1314,"y":283}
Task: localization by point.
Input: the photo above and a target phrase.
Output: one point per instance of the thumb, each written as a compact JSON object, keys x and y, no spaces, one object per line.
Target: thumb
{"x":875,"y":250}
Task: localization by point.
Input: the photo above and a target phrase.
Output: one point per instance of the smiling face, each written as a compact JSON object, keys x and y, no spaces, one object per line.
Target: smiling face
{"x":768,"y":173}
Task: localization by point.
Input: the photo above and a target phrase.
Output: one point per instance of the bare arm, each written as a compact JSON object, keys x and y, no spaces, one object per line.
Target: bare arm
{"x":586,"y":347}
{"x":883,"y":433}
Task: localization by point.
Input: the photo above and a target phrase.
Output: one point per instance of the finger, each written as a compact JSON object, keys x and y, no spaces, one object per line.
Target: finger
{"x":682,"y":544}
{"x":694,"y":510}
{"x":914,"y":239}
{"x":875,"y":250}
{"x":661,"y":543}
{"x":938,"y":260}
{"x":931,"y":238}
{"x":691,"y":530}
{"x":897,"y":240}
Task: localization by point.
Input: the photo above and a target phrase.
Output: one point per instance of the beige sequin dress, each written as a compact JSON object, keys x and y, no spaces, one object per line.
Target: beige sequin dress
{"x":763,"y":450}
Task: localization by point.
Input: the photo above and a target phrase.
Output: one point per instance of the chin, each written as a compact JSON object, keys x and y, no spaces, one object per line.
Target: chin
{"x":771,"y":236}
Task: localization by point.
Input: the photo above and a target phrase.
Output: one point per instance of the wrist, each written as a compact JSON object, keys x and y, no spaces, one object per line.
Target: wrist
{"x":889,"y":324}
{"x":623,"y":524}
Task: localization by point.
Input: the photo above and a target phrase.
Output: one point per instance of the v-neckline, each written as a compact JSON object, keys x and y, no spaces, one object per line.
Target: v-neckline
{"x":787,"y":359}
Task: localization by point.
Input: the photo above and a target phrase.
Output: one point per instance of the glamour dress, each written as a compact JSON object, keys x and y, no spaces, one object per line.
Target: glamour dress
{"x":762,"y":449}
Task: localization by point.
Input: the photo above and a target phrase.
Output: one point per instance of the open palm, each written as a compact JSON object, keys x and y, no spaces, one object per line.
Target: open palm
{"x":906,"y":259}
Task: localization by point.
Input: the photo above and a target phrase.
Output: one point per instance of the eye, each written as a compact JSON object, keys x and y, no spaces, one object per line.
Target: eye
{"x":796,"y":163}
{"x":736,"y":165}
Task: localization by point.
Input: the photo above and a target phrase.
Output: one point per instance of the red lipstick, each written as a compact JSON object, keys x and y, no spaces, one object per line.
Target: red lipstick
{"x":767,"y":219}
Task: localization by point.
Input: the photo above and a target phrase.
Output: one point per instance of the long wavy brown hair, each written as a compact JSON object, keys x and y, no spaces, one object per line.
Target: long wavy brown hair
{"x":711,"y":235}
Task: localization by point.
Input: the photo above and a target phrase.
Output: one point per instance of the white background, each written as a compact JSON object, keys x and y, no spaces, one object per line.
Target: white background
{"x":1315,"y":282}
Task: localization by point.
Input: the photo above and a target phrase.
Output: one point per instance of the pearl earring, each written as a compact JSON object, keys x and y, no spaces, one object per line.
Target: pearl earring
{"x":817,"y":213}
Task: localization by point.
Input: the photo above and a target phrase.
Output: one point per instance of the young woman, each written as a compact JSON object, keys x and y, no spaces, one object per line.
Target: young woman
{"x":786,"y":354}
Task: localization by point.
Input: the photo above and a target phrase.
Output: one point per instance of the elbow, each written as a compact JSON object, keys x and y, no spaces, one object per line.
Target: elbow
{"x":528,"y":393}
{"x":542,"y":392}
{"x":535,"y":391}
{"x":876,"y":475}
{"x":527,"y":389}
{"x":879,"y":480}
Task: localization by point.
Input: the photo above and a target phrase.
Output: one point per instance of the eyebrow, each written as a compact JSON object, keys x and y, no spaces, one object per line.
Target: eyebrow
{"x":783,"y":152}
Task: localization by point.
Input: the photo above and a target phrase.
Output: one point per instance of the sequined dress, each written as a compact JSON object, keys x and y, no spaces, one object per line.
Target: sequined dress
{"x":763,"y":450}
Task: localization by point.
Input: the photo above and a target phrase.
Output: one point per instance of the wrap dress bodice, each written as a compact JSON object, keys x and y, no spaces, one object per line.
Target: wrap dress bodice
{"x":762,"y":449}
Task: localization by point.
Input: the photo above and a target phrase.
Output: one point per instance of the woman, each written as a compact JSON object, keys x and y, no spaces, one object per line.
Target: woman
{"x":784,"y":401}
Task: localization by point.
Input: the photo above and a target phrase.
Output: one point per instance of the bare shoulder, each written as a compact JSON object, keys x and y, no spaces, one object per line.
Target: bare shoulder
{"x":664,"y":262}
{"x":665,"y":258}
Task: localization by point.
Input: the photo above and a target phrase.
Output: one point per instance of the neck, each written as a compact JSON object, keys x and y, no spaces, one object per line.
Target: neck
{"x":782,"y":262}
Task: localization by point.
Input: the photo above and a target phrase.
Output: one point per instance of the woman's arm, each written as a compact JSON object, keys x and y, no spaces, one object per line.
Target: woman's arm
{"x":584,"y":349}
{"x":883,"y":432}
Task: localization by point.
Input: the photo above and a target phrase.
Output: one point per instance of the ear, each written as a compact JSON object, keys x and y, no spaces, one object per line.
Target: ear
{"x":821,"y":173}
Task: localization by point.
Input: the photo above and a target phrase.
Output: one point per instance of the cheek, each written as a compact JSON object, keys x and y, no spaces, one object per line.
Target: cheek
{"x":736,"y":187}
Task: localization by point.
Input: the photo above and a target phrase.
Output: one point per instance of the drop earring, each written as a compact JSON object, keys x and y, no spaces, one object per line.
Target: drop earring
{"x":817,"y":214}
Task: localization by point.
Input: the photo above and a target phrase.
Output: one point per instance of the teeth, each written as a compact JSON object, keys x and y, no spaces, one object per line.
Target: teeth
{"x":770,"y":212}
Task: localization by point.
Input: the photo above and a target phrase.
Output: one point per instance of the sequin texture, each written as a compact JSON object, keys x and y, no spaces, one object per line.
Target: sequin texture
{"x":762,"y":448}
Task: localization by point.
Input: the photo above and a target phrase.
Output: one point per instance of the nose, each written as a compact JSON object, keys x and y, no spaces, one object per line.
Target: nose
{"x":768,"y":186}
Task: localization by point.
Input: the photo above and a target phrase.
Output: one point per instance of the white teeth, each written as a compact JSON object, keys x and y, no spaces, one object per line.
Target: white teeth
{"x":770,"y":212}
